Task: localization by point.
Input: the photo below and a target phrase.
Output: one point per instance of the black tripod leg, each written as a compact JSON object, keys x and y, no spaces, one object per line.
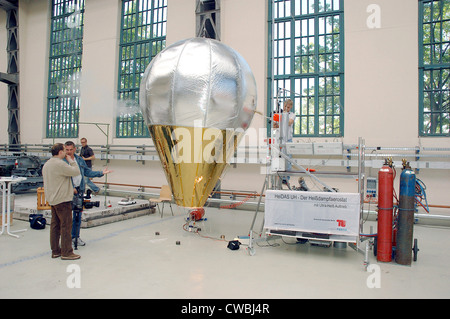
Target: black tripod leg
{"x":77,"y":231}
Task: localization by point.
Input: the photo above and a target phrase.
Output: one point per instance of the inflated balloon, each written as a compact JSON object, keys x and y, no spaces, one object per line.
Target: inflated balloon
{"x":198,"y":96}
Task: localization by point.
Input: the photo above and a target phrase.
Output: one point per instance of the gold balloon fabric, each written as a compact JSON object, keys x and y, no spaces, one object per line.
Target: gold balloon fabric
{"x":193,"y":159}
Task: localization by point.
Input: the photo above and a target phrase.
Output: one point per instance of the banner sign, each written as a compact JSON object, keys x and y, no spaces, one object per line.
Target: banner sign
{"x":313,"y":212}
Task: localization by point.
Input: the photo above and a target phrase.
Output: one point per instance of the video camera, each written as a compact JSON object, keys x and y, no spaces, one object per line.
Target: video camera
{"x":80,"y":200}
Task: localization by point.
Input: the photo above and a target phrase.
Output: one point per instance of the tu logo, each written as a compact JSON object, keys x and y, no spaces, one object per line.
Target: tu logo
{"x":341,"y":223}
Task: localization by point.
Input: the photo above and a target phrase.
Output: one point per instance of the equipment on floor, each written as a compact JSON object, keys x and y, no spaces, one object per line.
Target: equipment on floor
{"x":394,"y":238}
{"x":127,"y":201}
{"x":91,"y":204}
{"x":421,"y":195}
{"x":405,"y":223}
{"x":233,"y":245}
{"x":322,"y":216}
{"x":196,"y":214}
{"x":87,"y":202}
{"x":23,"y":165}
{"x":77,"y":208}
{"x":371,"y":187}
{"x":37,"y":221}
{"x":385,"y":211}
{"x":80,"y":201}
{"x":6,"y":165}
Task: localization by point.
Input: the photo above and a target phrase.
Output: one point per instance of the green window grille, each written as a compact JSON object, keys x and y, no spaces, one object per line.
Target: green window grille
{"x":434,"y":67}
{"x":307,"y":63}
{"x":66,"y":47}
{"x":143,"y":36}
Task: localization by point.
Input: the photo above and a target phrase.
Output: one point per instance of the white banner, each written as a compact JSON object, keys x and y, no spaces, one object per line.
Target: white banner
{"x":313,"y":212}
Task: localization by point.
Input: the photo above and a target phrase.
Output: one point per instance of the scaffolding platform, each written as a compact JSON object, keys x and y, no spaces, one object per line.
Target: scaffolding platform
{"x":26,"y":204}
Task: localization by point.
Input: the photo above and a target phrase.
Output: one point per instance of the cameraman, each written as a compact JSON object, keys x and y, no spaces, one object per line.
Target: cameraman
{"x":79,"y":187}
{"x":59,"y":192}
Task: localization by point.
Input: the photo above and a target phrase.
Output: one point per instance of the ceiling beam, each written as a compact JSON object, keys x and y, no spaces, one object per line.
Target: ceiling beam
{"x":9,"y":79}
{"x":8,"y":5}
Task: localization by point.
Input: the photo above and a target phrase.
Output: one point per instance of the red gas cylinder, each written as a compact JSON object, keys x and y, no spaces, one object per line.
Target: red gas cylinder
{"x":385,"y":212}
{"x":197,"y":214}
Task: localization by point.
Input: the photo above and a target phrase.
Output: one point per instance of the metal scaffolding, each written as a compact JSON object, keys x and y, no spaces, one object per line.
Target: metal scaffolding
{"x":11,"y":77}
{"x":208,"y":19}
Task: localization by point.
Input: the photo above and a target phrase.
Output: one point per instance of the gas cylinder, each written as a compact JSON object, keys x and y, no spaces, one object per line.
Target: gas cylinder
{"x":405,"y":223}
{"x":385,"y":211}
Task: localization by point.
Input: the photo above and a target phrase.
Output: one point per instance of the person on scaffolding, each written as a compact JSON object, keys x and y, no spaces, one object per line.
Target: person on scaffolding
{"x":287,"y":133}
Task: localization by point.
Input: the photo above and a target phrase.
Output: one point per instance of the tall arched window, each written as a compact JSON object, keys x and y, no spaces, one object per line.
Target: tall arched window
{"x":66,"y":50}
{"x":434,"y":68}
{"x":307,"y":64}
{"x":143,"y":36}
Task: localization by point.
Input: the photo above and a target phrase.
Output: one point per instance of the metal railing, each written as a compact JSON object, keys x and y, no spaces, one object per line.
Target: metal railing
{"x":419,"y":157}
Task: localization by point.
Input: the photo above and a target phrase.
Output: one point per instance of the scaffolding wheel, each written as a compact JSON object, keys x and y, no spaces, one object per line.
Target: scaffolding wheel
{"x":415,"y":249}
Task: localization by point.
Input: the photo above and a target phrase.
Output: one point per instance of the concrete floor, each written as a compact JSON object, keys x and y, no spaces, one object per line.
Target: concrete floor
{"x":127,"y":259}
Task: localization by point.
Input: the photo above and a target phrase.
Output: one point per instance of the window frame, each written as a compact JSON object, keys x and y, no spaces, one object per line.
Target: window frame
{"x":129,"y":120}
{"x":314,"y":113}
{"x":429,"y":70}
{"x":65,"y":65}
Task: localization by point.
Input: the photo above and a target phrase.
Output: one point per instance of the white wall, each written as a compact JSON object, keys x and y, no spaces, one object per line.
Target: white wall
{"x":183,"y":12}
{"x":244,"y":28}
{"x":33,"y":54}
{"x":381,"y":73}
{"x":101,"y":39}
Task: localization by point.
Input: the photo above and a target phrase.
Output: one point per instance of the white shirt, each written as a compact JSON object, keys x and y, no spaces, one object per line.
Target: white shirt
{"x":291,"y":131}
{"x":76,"y":180}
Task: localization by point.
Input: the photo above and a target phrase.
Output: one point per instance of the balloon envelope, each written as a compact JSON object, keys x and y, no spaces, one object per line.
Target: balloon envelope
{"x":198,"y":96}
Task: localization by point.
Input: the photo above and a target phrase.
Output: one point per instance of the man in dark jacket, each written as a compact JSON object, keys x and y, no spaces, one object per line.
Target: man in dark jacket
{"x":88,"y":155}
{"x":86,"y":152}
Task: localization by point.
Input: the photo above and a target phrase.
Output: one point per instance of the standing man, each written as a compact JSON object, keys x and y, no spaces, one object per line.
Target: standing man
{"x":79,"y":185}
{"x":88,"y":155}
{"x":86,"y":152}
{"x":58,"y":191}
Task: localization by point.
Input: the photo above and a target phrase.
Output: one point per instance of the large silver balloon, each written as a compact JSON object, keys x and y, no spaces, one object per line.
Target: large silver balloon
{"x":198,"y":79}
{"x":193,"y":94}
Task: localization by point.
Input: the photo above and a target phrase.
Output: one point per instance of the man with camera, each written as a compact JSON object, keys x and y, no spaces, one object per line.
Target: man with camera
{"x":59,"y":193}
{"x":79,"y":187}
